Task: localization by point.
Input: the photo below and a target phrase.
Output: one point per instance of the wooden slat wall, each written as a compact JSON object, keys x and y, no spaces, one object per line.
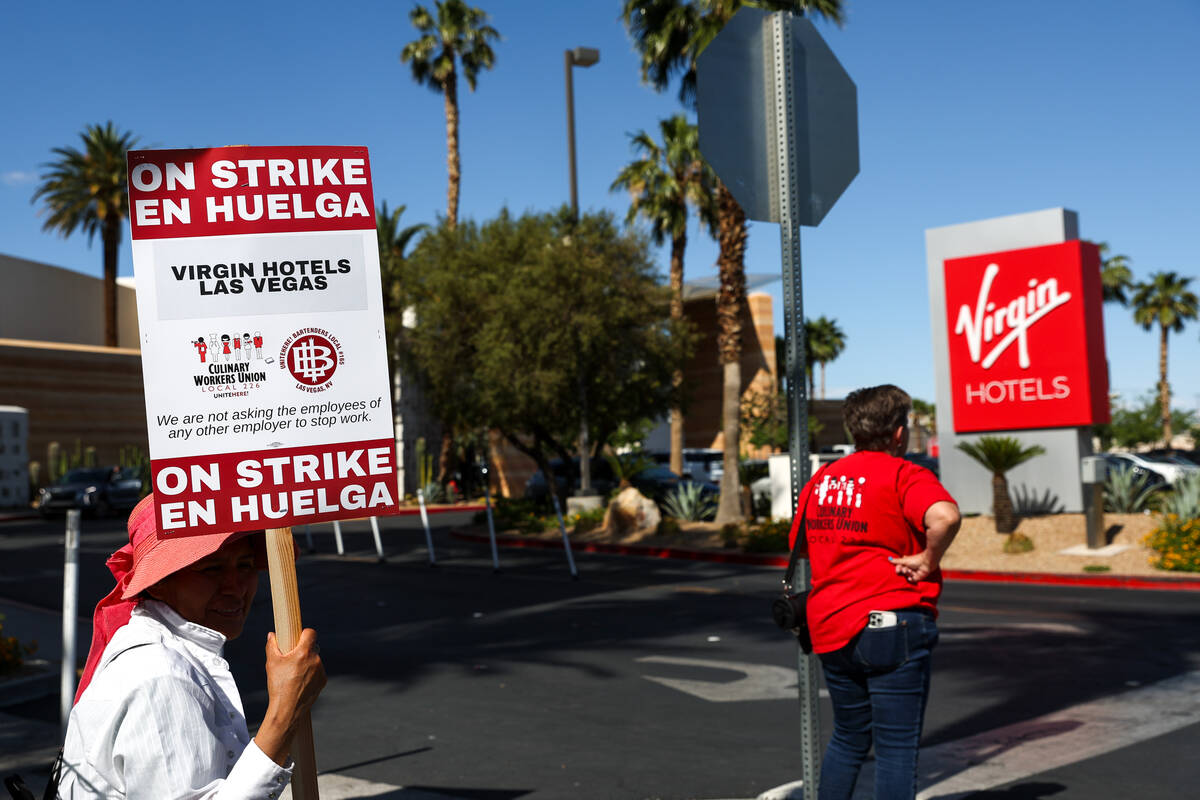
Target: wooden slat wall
{"x":75,"y":392}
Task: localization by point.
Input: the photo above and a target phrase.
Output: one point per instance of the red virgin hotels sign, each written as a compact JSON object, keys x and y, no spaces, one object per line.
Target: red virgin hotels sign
{"x":1027,"y":339}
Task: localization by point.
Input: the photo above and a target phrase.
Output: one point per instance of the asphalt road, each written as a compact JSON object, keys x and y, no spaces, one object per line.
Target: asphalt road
{"x":651,"y":678}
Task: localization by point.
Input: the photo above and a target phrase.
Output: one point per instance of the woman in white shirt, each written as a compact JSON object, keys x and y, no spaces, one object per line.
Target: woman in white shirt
{"x":157,"y":714}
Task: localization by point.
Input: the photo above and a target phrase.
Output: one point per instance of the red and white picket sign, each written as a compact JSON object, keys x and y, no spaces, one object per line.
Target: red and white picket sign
{"x":262,"y":336}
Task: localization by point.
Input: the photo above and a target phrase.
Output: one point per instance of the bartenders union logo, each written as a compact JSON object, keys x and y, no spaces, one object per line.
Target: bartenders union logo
{"x":312,"y":356}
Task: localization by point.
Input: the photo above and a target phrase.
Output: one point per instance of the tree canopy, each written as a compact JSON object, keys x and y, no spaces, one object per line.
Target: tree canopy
{"x":516,"y":315}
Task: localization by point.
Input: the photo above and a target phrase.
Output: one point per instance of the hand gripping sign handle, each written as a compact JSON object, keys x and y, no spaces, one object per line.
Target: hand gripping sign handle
{"x":285,"y":600}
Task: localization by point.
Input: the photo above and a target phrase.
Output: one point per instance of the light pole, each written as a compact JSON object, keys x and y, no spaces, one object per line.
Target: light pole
{"x":579,"y":57}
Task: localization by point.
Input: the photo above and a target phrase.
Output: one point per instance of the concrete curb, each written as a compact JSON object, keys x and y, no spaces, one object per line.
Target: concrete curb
{"x":776,"y":560}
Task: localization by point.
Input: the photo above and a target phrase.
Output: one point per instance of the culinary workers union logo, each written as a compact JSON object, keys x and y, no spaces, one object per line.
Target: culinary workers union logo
{"x":312,"y":356}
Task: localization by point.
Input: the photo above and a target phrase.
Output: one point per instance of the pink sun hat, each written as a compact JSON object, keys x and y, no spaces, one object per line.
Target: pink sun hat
{"x":147,"y":559}
{"x":153,"y":557}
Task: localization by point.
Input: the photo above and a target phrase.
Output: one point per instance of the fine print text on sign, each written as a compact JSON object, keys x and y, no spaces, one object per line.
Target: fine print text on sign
{"x":1027,"y":339}
{"x":261,"y":322}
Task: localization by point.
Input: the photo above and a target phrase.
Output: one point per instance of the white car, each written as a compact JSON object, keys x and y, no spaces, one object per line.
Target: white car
{"x":1171,"y":468}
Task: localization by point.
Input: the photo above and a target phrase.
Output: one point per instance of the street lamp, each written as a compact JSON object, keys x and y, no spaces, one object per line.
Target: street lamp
{"x":579,"y":57}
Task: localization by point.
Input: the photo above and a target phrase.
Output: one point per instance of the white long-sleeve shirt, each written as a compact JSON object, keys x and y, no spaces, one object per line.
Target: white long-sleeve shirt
{"x":162,"y":720}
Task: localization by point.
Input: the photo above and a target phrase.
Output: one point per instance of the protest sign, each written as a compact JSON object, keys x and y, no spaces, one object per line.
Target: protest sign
{"x":262,"y":337}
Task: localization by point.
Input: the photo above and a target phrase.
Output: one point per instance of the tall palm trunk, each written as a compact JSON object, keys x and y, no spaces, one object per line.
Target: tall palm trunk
{"x":454,"y":174}
{"x":678,"y":244}
{"x":112,"y":241}
{"x":452,"y":162}
{"x":1002,"y":507}
{"x":1164,"y":389}
{"x":822,"y":380}
{"x":732,"y":296}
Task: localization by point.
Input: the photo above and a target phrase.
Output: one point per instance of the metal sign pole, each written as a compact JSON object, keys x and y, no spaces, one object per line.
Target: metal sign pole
{"x":378,"y":541}
{"x":337,"y":537}
{"x":487,"y":497}
{"x":425,"y":525}
{"x":785,"y":170}
{"x":562,"y":526}
{"x":69,"y":615}
{"x":778,"y":119}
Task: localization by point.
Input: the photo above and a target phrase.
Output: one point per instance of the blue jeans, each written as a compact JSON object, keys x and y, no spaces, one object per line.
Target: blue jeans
{"x":879,"y":684}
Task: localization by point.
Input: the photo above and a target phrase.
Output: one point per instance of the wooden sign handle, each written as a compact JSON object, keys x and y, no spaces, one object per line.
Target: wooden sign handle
{"x":285,"y":600}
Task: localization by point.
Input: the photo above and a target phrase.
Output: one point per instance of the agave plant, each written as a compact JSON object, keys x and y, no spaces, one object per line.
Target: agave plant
{"x":1184,"y":498}
{"x":688,"y":502}
{"x":1126,"y":491}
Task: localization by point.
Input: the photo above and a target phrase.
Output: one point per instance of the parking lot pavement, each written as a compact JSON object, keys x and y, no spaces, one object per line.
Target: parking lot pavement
{"x":653,"y":678}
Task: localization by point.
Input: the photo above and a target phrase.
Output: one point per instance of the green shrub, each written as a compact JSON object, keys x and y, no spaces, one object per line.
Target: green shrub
{"x":516,"y":513}
{"x":668,"y":526}
{"x":12,"y":652}
{"x":585,"y":521}
{"x":1018,"y":543}
{"x":767,"y":537}
{"x":1177,"y":544}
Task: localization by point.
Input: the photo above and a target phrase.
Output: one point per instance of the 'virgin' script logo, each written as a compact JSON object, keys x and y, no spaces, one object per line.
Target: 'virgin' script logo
{"x":1007,"y":322}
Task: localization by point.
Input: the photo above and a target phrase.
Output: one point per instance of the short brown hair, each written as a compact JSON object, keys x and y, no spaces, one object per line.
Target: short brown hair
{"x":873,"y":414}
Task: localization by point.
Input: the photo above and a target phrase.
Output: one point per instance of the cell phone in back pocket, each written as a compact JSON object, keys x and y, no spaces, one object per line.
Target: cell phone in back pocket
{"x":881,"y":619}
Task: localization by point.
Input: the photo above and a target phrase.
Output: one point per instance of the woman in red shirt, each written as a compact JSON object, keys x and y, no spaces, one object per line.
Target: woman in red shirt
{"x":876,"y":528}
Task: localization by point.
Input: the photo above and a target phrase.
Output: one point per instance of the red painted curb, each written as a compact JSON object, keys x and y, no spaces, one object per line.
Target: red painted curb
{"x":771,"y":560}
{"x":1059,"y":579}
{"x":405,"y":512}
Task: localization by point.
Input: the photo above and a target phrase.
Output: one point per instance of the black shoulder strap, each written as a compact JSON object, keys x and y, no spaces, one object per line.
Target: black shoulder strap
{"x":800,"y":532}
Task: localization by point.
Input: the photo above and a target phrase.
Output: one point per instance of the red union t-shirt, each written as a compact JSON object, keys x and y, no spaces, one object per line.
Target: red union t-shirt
{"x":861,"y":510}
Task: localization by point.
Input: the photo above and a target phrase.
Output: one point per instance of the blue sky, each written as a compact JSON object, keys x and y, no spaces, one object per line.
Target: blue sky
{"x":967,"y":110}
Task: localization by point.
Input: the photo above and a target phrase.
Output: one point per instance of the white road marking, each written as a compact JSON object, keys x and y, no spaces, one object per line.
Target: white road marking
{"x":1014,"y":752}
{"x":957,"y":633}
{"x":343,"y":787}
{"x":1060,"y":738}
{"x":758,"y":681}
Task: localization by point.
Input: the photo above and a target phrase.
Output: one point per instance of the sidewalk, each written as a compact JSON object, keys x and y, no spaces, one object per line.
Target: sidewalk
{"x":28,"y":746}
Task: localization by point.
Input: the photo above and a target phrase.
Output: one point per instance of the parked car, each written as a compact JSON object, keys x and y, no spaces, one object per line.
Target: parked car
{"x":1153,"y":479}
{"x":95,"y":490}
{"x":654,"y":481}
{"x":699,"y":463}
{"x":1170,"y":468}
{"x":924,"y":460}
{"x":1190,"y":456}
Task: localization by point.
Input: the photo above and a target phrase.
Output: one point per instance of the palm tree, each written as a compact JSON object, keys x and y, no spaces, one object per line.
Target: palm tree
{"x":828,"y":342}
{"x":662,"y":184}
{"x":1166,"y":300}
{"x":998,"y":455}
{"x":87,"y":190}
{"x":810,"y":356}
{"x":1115,"y":276}
{"x":458,"y":34}
{"x":670,"y":35}
{"x":393,"y":242}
